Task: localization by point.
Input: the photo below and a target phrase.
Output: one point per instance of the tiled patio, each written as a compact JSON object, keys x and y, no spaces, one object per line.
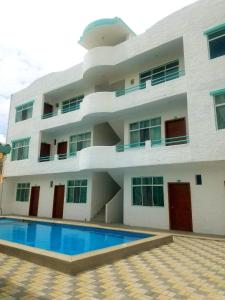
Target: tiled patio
{"x":189,"y":268}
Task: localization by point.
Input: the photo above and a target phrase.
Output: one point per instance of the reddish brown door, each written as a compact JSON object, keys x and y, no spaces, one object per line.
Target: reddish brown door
{"x":62,"y":150}
{"x":45,"y":152}
{"x":175,"y":132}
{"x":34,"y":200}
{"x":48,"y":108}
{"x":180,"y":206}
{"x":58,"y":201}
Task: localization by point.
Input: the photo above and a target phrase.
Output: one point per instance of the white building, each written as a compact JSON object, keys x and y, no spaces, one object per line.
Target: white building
{"x":133,"y":134}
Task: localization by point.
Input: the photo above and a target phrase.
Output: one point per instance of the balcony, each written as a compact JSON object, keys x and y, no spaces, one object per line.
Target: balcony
{"x":159,"y":80}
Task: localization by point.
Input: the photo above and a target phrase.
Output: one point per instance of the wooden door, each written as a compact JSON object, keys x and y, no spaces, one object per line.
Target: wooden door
{"x":175,"y":132}
{"x":58,"y":202}
{"x":48,"y":108}
{"x":45,"y":152}
{"x":180,"y":206}
{"x":62,"y":150}
{"x":34,"y":200}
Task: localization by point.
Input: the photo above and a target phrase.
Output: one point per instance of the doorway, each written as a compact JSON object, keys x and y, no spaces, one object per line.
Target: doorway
{"x":58,"y":202}
{"x":62,"y":150}
{"x":34,"y":200}
{"x":175,"y":131}
{"x":180,"y":206}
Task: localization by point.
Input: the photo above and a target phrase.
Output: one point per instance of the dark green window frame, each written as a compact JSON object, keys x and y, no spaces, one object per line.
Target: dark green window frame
{"x":23,"y":192}
{"x":219,"y":103}
{"x":145,"y":130}
{"x":24,"y":111}
{"x":147,"y":191}
{"x":79,"y":142}
{"x":216,"y":41}
{"x":160,"y":74}
{"x":20,"y":149}
{"x":77,"y":191}
{"x":72,"y":104}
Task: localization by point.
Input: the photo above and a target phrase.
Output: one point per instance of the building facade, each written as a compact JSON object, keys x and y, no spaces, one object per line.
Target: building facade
{"x":135,"y":134}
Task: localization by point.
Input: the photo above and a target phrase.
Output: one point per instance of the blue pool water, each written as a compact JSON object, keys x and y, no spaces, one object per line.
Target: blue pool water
{"x":61,"y":238}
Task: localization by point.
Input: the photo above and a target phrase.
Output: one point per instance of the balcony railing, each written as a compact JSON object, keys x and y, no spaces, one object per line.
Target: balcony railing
{"x":63,"y":110}
{"x":178,"y":140}
{"x":154,"y":81}
{"x":57,"y":157}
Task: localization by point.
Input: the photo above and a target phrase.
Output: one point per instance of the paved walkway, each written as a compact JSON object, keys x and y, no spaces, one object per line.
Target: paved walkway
{"x":189,"y":268}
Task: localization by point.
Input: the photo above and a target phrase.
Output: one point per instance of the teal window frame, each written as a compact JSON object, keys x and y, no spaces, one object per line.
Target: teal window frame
{"x":23,"y":192}
{"x":71,"y":104}
{"x":79,"y":142}
{"x":24,"y":111}
{"x":215,"y":36}
{"x":20,"y":149}
{"x":160,"y":73}
{"x":151,"y":127}
{"x":147,"y":191}
{"x":77,"y":191}
{"x":219,"y":108}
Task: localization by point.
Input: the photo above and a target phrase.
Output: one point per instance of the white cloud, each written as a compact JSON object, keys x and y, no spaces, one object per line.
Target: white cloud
{"x":2,"y":139}
{"x":40,"y":36}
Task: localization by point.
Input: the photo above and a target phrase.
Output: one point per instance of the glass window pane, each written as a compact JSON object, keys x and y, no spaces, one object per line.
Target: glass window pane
{"x":220,"y":114}
{"x":134,"y":137}
{"x":70,"y":195}
{"x":83,"y":195}
{"x":147,"y":195}
{"x":84,"y":182}
{"x":155,"y":134}
{"x":76,"y":195}
{"x":134,"y":126}
{"x":136,"y":180}
{"x":155,"y":121}
{"x":158,"y":180}
{"x":220,"y":99}
{"x":158,"y":197}
{"x":137,"y":199}
{"x":144,"y":135}
{"x":144,"y":124}
{"x":147,"y":180}
{"x":217,"y":47}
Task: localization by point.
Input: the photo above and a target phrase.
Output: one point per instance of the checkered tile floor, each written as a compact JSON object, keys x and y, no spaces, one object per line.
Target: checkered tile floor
{"x":189,"y":268}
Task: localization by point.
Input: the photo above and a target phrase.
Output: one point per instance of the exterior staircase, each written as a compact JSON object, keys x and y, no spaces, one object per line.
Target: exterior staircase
{"x":100,"y":217}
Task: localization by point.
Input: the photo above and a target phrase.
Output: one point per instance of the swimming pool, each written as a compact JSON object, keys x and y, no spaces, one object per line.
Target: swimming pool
{"x":63,"y":238}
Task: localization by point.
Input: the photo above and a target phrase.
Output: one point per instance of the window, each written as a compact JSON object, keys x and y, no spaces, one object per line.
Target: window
{"x":220,"y":110}
{"x":145,"y":130}
{"x":79,"y":141}
{"x":22,"y":192}
{"x":72,"y":104}
{"x":147,"y":191}
{"x":20,"y":149}
{"x":77,"y":191}
{"x":160,"y":74}
{"x":216,"y":40}
{"x":24,"y":112}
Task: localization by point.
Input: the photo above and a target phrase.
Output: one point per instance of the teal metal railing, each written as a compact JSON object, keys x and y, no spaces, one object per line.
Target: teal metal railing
{"x":49,"y":115}
{"x":70,"y":108}
{"x":154,"y":81}
{"x":46,"y":158}
{"x":155,"y":143}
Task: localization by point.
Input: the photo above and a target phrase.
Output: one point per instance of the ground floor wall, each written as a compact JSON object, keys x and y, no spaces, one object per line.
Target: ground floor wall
{"x":47,"y":183}
{"x":207,"y":200}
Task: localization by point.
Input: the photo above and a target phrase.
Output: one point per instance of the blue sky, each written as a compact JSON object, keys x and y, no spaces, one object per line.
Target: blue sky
{"x":40,"y":36}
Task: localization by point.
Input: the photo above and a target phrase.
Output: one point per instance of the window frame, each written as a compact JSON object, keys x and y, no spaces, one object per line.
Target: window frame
{"x":73,"y":104}
{"x":73,"y":187}
{"x":215,"y":94}
{"x":23,"y":189}
{"x":152,"y":185}
{"x":211,"y":31}
{"x":149,"y":128}
{"x":15,"y":148}
{"x":78,"y":141}
{"x":20,"y":108}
